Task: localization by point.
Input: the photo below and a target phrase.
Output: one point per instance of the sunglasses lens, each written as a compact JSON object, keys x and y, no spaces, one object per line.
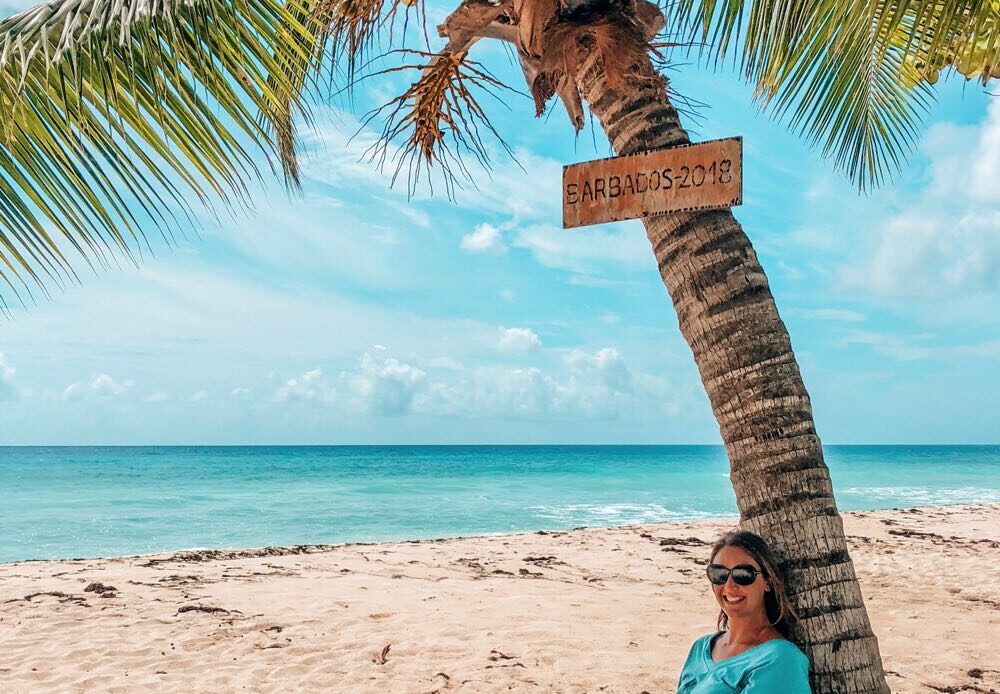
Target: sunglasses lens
{"x":718,"y":574}
{"x":744,"y":576}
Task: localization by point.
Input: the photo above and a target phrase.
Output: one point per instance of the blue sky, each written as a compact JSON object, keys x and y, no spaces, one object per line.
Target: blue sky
{"x":349,"y":314}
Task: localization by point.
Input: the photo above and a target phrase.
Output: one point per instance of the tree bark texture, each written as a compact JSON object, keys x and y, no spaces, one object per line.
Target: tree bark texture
{"x":729,"y":319}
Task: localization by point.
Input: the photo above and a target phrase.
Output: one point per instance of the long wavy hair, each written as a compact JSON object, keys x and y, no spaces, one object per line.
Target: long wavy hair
{"x":776,"y":603}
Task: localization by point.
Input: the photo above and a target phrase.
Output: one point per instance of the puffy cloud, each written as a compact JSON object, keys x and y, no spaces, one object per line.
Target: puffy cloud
{"x":929,"y":255}
{"x":380,"y":385}
{"x":598,"y":384}
{"x":241,"y":393}
{"x":577,"y":383}
{"x":158,"y":396}
{"x":485,"y":238}
{"x":200,"y":395}
{"x":606,"y":367}
{"x":311,"y":386}
{"x":518,"y":340}
{"x":384,"y":385}
{"x":945,"y":240}
{"x":102,"y":387}
{"x":495,"y":391}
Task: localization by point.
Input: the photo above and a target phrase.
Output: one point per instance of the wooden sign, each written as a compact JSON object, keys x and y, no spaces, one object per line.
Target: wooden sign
{"x":702,"y":176}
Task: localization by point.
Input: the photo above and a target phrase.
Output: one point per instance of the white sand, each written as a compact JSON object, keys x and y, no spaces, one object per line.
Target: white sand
{"x":595,"y":610}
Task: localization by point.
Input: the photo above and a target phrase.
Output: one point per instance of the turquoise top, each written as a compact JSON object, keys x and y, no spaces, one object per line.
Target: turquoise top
{"x":773,"y":666}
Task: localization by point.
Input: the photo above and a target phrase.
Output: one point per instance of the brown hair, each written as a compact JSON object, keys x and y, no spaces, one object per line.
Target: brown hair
{"x":776,"y":603}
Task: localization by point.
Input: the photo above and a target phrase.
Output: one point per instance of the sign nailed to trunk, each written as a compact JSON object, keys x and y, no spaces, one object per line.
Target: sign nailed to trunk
{"x":702,"y":176}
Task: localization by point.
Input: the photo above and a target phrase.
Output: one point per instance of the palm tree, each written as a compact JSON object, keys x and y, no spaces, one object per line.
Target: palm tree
{"x":113,"y":108}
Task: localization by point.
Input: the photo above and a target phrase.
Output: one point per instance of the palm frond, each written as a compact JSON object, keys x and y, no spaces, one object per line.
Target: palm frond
{"x":439,"y":119}
{"x":966,"y":39}
{"x":851,"y":75}
{"x":115,"y":111}
{"x":357,"y":27}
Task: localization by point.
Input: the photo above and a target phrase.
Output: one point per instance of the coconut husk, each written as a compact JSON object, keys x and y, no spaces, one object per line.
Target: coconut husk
{"x":533,"y":19}
{"x":618,"y":40}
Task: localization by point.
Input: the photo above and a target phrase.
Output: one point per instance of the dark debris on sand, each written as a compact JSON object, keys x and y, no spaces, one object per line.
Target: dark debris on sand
{"x":205,"y":608}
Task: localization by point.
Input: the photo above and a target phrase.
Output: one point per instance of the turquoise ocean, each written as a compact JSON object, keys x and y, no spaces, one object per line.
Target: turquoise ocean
{"x":100,"y":502}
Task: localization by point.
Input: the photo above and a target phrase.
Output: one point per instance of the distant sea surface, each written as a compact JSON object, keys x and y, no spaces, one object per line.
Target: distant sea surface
{"x":99,"y":502}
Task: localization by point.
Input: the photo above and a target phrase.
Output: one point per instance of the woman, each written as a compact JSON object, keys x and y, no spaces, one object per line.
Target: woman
{"x":750,"y":653}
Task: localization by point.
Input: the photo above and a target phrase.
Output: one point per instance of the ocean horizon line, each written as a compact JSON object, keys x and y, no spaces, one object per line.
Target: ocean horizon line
{"x":470,"y":445}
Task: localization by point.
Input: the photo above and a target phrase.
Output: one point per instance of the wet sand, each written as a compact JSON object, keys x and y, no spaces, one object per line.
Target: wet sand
{"x":601,"y":611}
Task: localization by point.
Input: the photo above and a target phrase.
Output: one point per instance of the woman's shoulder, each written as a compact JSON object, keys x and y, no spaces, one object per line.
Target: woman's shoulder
{"x":707,"y":638}
{"x":782,"y":648}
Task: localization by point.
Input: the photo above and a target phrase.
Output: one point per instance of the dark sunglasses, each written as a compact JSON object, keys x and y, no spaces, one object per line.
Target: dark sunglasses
{"x":743,"y":574}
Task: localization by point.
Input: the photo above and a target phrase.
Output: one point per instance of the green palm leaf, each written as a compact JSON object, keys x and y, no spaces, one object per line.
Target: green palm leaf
{"x":853,"y":76}
{"x":114,"y":112}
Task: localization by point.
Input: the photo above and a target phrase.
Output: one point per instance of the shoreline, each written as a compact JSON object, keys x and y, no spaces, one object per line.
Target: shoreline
{"x":549,"y":611}
{"x":281,"y":550}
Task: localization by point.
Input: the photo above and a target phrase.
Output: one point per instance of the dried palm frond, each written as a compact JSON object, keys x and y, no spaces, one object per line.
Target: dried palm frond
{"x":356,"y":27}
{"x":619,"y":41}
{"x":533,"y":19}
{"x":439,"y":117}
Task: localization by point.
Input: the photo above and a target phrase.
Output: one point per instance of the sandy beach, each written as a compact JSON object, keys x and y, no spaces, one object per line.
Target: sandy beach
{"x":589,"y":610}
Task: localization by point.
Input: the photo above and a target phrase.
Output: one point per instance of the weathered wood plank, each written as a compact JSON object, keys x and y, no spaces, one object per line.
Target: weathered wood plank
{"x":702,"y":176}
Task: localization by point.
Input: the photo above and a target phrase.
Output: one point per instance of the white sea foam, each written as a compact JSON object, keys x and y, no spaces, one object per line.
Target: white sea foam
{"x":618,"y":514}
{"x":925,"y":496}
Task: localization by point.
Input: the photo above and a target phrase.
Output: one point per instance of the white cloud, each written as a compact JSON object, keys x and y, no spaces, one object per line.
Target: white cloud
{"x":384,"y":385}
{"x":605,"y":368}
{"x":945,"y":241}
{"x":497,"y":391}
{"x":412,"y":213}
{"x":102,"y":386}
{"x":577,"y":384}
{"x":8,"y":391}
{"x":581,"y":384}
{"x":158,"y":396}
{"x":508,"y":295}
{"x":921,"y":346}
{"x":518,"y":340}
{"x":485,"y":238}
{"x":587,"y":251}
{"x":311,"y":386}
{"x":241,"y":393}
{"x":903,"y":348}
{"x":926,"y":255}
{"x":337,"y":153}
{"x":200,"y":395}
{"x":529,"y":201}
{"x":380,"y":385}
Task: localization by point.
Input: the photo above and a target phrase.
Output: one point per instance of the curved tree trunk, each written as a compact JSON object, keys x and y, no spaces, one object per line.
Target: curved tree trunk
{"x":728,"y":317}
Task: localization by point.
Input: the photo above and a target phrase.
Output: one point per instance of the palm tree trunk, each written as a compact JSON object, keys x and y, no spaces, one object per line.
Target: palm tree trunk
{"x":728,"y":317}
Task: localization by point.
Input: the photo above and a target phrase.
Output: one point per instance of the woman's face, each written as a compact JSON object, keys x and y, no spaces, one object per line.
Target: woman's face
{"x":740,"y":602}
